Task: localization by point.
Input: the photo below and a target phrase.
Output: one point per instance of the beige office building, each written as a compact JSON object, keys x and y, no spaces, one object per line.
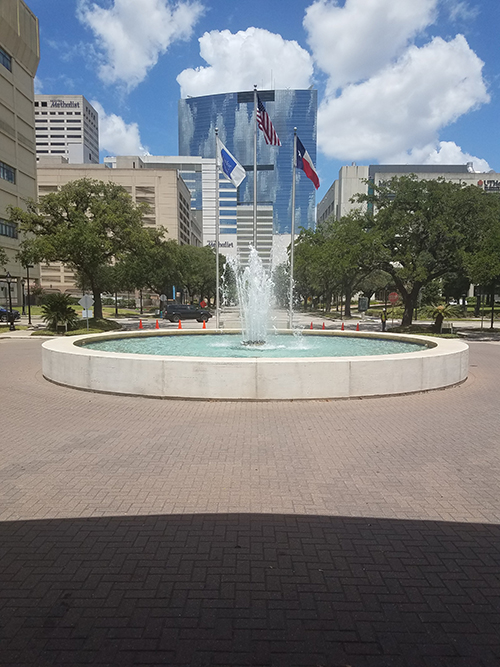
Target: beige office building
{"x":163,"y":189}
{"x":19,"y":57}
{"x":356,"y":179}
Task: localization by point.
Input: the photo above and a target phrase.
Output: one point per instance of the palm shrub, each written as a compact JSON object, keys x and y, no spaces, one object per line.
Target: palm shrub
{"x":440,"y":312}
{"x":57,"y":310}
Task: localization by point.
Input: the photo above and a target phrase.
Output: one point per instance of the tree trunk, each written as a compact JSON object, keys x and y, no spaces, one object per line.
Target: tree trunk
{"x":348,"y":295}
{"x":96,"y":293}
{"x":409,"y":301}
{"x":438,"y":323}
{"x":408,"y":311}
{"x":492,"y":306}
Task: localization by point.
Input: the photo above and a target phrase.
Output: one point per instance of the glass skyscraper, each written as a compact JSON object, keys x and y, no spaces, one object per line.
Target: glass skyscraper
{"x":232,"y":114}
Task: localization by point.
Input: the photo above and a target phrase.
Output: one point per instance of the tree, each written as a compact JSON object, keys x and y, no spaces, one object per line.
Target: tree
{"x":423,"y":228}
{"x":351,"y":251}
{"x":335,"y":257}
{"x":198,"y":270}
{"x":307,"y":265}
{"x":87,"y":225}
{"x":483,"y":262}
{"x":155,"y":265}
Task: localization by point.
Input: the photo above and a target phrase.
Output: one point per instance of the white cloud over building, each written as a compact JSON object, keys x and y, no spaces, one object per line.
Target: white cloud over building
{"x":238,"y":61}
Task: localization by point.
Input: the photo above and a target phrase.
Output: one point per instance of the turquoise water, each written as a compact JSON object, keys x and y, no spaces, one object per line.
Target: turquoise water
{"x":277,"y":346}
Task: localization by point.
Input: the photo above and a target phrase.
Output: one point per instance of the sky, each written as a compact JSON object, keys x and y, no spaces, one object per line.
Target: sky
{"x":399,"y":81}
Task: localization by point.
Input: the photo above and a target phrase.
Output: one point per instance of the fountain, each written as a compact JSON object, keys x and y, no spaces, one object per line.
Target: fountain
{"x":254,"y":295}
{"x":254,"y":363}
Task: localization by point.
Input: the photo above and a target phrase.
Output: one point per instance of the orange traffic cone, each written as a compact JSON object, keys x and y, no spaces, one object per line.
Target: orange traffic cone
{"x":180,"y":325}
{"x":342,"y":327}
{"x":140,"y":324}
{"x":357,"y":326}
{"x":204,"y":324}
{"x":311,"y":325}
{"x":157,"y":325}
{"x":323,"y":326}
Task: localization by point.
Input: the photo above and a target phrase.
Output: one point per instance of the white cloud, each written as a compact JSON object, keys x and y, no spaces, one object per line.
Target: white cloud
{"x":116,"y":136}
{"x":460,"y":10}
{"x":353,"y":42}
{"x":443,"y":152}
{"x":38,"y":85}
{"x":131,"y":38}
{"x":404,"y":105}
{"x":238,"y":61}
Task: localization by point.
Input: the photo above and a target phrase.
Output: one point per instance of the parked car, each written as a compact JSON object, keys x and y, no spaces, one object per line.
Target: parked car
{"x":4,"y":314}
{"x":176,"y":311}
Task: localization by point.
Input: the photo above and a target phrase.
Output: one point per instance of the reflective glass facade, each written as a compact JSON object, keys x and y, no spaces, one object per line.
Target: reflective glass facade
{"x":232,"y":114}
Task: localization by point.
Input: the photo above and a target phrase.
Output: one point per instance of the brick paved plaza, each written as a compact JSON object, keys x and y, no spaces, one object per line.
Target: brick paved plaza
{"x":146,"y":532}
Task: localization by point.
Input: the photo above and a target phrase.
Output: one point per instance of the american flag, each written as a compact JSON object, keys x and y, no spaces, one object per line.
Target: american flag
{"x":264,"y":123}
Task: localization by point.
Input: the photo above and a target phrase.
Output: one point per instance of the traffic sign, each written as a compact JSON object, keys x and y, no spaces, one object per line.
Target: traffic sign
{"x":86,"y":301}
{"x":163,"y":297}
{"x":393,"y":297}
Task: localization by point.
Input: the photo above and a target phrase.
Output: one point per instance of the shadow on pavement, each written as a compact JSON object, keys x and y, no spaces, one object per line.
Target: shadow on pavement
{"x":249,"y":589}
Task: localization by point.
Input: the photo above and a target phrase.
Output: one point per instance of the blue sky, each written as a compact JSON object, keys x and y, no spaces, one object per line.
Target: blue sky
{"x":407,"y":81}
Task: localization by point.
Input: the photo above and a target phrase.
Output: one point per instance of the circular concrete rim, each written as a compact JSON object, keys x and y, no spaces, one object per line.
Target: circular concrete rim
{"x":441,"y":363}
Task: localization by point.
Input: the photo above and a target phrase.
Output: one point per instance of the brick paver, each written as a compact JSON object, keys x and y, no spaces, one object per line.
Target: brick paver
{"x":146,"y":532}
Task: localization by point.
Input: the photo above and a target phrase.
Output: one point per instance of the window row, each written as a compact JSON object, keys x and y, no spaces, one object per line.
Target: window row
{"x":60,"y":113}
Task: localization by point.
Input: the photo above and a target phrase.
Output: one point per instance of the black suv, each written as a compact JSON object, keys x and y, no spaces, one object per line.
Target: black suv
{"x":4,"y":314}
{"x":176,"y":311}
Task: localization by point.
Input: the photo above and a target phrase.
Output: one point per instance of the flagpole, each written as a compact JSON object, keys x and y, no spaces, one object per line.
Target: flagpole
{"x":292,"y":225}
{"x":255,"y":167}
{"x":217,"y":277}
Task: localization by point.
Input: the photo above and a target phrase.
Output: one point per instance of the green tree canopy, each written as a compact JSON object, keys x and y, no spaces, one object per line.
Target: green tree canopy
{"x":87,"y":225}
{"x":424,"y":228}
{"x":335,"y":257}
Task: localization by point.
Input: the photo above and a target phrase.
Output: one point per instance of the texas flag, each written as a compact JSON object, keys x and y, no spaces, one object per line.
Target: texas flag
{"x":304,"y":162}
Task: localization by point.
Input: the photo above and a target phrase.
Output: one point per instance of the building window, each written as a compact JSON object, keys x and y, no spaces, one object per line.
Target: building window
{"x":8,"y":229}
{"x":44,"y":104}
{"x":5,"y":59}
{"x":7,"y":173}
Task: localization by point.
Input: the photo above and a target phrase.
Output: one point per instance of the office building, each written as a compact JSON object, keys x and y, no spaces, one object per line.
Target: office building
{"x":163,"y":190}
{"x":232,"y":114}
{"x":199,"y":175}
{"x":67,"y":126}
{"x":356,"y":179}
{"x":19,"y":57}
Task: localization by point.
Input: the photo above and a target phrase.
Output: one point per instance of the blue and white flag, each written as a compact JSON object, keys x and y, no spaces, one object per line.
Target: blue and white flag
{"x":230,"y":165}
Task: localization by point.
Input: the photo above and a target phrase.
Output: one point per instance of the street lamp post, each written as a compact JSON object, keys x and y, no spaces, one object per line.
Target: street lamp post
{"x":28,"y":267}
{"x":12,"y":326}
{"x":24,"y":297}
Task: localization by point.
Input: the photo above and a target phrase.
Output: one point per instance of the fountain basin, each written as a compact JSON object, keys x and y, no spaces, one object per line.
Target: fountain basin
{"x":441,"y":363}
